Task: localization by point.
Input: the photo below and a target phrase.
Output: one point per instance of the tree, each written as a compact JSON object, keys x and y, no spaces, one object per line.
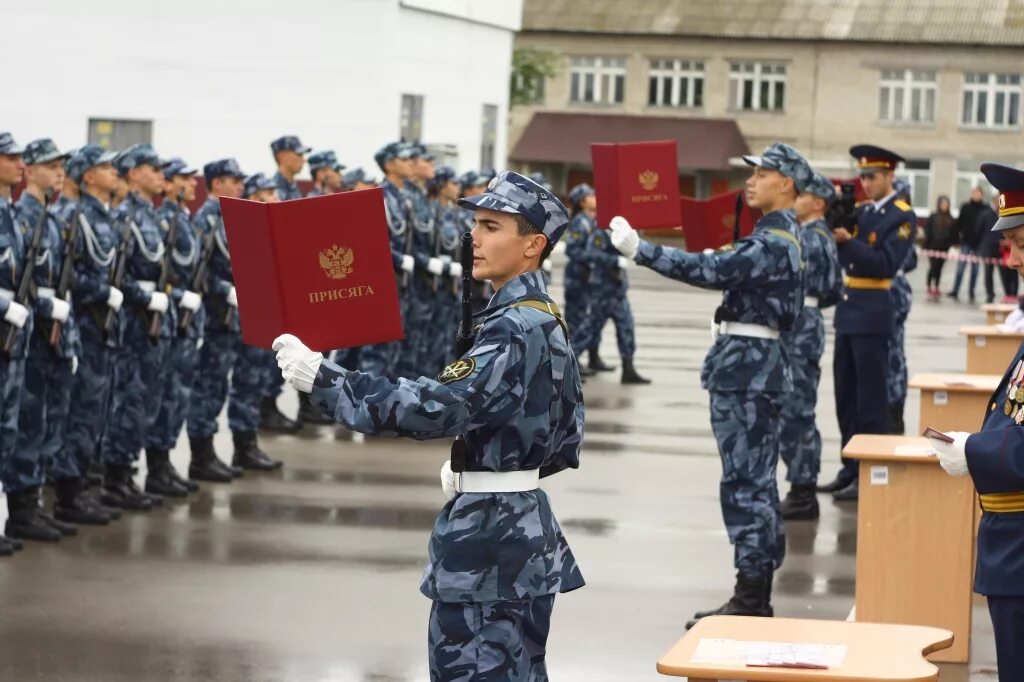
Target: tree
{"x":530,"y":67}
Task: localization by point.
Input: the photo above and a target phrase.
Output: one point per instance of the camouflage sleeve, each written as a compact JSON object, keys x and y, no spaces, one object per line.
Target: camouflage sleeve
{"x":485,"y":386}
{"x":133,"y":293}
{"x":214,"y":285}
{"x":600,"y":252}
{"x":576,"y":240}
{"x":566,"y":453}
{"x":748,"y":266}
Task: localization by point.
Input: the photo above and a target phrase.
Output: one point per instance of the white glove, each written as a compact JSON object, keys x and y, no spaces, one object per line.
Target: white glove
{"x":299,"y":365}
{"x":232,"y":298}
{"x":547,"y":266}
{"x":559,"y":247}
{"x":624,"y":262}
{"x":16,"y":314}
{"x":158,"y":302}
{"x":408,"y":263}
{"x":190,"y":300}
{"x":455,"y":270}
{"x":114,"y":299}
{"x":624,"y":237}
{"x":953,"y":456}
{"x":61,"y":310}
{"x":435,"y":266}
{"x":448,"y":480}
{"x":74,"y":365}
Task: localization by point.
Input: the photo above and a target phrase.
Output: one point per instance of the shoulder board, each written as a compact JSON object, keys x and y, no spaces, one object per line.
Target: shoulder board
{"x":902,"y":205}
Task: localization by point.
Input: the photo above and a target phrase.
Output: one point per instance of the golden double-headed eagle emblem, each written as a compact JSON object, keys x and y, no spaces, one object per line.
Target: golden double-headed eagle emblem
{"x":337,"y":261}
{"x":648,"y":180}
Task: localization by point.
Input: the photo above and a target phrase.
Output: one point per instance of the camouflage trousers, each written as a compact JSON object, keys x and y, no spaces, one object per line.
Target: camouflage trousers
{"x":605,"y":305}
{"x":746,"y":427}
{"x":178,"y":381}
{"x":224,"y":360}
{"x":799,"y":438}
{"x":500,"y":641}
{"x":90,"y":399}
{"x":896,"y":374}
{"x":139,"y":372}
{"x":273,"y":381}
{"x":42,"y":418}
{"x":12,"y":378}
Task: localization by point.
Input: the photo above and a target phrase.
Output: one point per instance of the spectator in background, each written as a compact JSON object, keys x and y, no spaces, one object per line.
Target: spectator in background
{"x":988,"y":249}
{"x":939,"y":235}
{"x":969,"y":239}
{"x":1009,"y":276}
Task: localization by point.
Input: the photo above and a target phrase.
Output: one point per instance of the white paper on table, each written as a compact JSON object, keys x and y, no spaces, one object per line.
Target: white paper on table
{"x":743,"y":653}
{"x":922,"y":450}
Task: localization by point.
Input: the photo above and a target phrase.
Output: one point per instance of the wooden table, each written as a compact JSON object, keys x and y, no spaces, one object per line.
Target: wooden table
{"x":915,"y":539}
{"x":875,"y":651}
{"x":954,"y":402}
{"x":989,"y":350}
{"x":996,"y":313}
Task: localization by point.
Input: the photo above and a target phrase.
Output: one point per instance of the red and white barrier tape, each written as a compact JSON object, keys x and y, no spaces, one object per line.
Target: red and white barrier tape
{"x":957,"y":255}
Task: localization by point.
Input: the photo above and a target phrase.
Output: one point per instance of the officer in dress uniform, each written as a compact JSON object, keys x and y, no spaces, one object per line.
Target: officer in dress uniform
{"x":326,"y":173}
{"x":902,"y":299}
{"x":799,"y":438}
{"x":873,"y":245}
{"x":49,"y":368}
{"x":747,"y":370}
{"x":994,"y":458}
{"x":497,"y":554}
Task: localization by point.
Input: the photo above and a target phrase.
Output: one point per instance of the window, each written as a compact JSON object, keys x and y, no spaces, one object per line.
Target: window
{"x":411,"y":123}
{"x":991,"y":100}
{"x":756,"y":86}
{"x":489,"y":136}
{"x":598,"y":80}
{"x":967,"y":178}
{"x":919,"y":174}
{"x":119,"y":133}
{"x":907,"y":96}
{"x":675,"y":83}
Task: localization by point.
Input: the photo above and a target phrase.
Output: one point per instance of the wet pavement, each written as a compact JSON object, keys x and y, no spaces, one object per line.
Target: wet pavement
{"x":312,"y":573}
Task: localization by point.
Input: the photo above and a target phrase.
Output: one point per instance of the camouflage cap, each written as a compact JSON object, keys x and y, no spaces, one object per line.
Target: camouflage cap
{"x":580,"y":192}
{"x":489,"y":174}
{"x":42,"y":150}
{"x":471,"y":179}
{"x":822,"y":187}
{"x":221,"y":167}
{"x":357,"y":175}
{"x":135,"y":156}
{"x":257,"y":182}
{"x":324,"y":159}
{"x":8,"y":147}
{"x":392,"y":150}
{"x":89,"y":156}
{"x":510,"y":192}
{"x":444,"y":174}
{"x":786,"y":160}
{"x":67,"y":161}
{"x":902,"y":187}
{"x":176,"y":166}
{"x":289,"y":142}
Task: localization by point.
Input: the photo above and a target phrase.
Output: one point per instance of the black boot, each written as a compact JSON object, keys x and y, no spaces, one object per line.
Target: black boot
{"x":596,"y":364}
{"x":190,"y":486}
{"x":896,"y":427}
{"x":24,"y":522}
{"x":205,"y":465}
{"x":248,"y":454}
{"x":629,"y":375}
{"x":74,"y":505}
{"x":120,"y":491}
{"x":272,"y":419}
{"x":159,"y":480}
{"x":801,"y":504}
{"x":751,"y":597}
{"x":848,"y":494}
{"x":836,"y":484}
{"x":312,"y":415}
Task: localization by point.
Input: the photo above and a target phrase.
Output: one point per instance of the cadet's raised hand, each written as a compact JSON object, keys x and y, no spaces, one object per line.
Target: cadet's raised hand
{"x":624,"y":237}
{"x":953,"y":456}
{"x":299,"y":365}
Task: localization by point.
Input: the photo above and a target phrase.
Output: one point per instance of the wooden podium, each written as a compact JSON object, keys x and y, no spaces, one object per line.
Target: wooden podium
{"x":989,"y":350}
{"x":995,"y":313}
{"x":955,"y":402}
{"x":915,"y":539}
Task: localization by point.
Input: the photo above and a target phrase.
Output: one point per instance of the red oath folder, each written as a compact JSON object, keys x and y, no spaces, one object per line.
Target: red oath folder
{"x":708,"y":224}
{"x":637,"y":180}
{"x":318,"y":268}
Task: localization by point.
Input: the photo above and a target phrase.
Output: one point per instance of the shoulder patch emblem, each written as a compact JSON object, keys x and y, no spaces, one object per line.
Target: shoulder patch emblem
{"x":904,"y":231}
{"x":460,"y":369}
{"x":872,"y":238}
{"x":902,"y":205}
{"x":598,"y":240}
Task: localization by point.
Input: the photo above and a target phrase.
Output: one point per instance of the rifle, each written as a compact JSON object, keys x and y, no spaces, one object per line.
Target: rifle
{"x":117,"y":276}
{"x":21,"y":295}
{"x":155,"y":318}
{"x":67,"y":271}
{"x":410,"y":226}
{"x":435,"y":250}
{"x":198,"y":280}
{"x":465,"y":338}
{"x":736,"y":216}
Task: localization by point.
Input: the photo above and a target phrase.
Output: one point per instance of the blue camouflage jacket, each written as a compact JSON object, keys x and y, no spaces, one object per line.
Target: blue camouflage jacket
{"x":145,"y":258}
{"x":603,"y":258}
{"x":48,"y":268}
{"x":577,"y":236}
{"x":397,"y":206}
{"x":823,"y":279}
{"x":517,"y":399}
{"x":762,"y":284}
{"x":12,"y":257}
{"x":185,"y":254}
{"x":98,"y":242}
{"x":286,"y":190}
{"x":219,"y":276}
{"x":424,"y":223}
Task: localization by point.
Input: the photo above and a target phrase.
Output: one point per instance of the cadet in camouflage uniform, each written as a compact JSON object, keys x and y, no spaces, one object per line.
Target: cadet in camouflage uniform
{"x":799,"y":438}
{"x":497,"y":554}
{"x":583,"y":207}
{"x":902,"y":298}
{"x":747,"y":370}
{"x":443,"y":325}
{"x":179,"y":373}
{"x":49,"y":369}
{"x":326,"y":173}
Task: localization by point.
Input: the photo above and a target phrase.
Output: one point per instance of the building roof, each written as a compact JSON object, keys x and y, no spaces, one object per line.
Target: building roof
{"x":962,"y":22}
{"x":560,"y":137}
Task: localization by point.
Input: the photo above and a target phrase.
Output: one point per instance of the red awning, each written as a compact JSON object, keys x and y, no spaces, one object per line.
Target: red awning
{"x":556,"y":137}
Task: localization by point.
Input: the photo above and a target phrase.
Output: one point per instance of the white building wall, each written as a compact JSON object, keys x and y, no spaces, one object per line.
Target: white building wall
{"x":224,"y":77}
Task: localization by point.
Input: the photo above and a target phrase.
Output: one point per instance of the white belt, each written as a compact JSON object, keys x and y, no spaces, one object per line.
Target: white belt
{"x":810,"y":301}
{"x":756,"y":331}
{"x":148,"y":287}
{"x":45,"y":292}
{"x":6,"y":294}
{"x":497,"y":482}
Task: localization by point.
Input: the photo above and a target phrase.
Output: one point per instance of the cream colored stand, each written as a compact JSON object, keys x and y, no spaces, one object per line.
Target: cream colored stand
{"x":915,"y":539}
{"x":874,"y":651}
{"x":995,"y":313}
{"x":989,"y":350}
{"x":955,"y":402}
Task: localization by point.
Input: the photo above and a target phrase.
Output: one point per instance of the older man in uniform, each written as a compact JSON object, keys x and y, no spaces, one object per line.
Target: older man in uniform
{"x":994,"y":458}
{"x":747,"y":370}
{"x":497,"y":554}
{"x":873,"y":245}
